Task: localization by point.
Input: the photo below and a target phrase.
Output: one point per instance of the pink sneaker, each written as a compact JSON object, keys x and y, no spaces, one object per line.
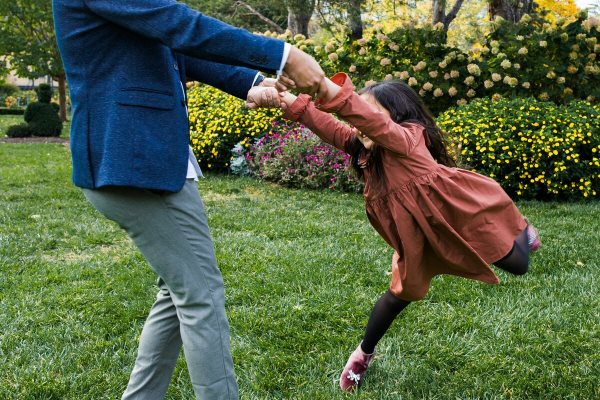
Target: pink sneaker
{"x":533,"y":239}
{"x":355,"y":369}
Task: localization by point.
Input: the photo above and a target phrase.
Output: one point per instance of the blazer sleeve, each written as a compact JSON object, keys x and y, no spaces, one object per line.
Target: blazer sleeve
{"x":324,"y":125}
{"x":379,"y":127}
{"x":236,"y":81}
{"x":189,"y":32}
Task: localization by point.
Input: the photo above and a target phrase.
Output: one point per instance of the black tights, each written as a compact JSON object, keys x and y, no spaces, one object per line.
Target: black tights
{"x":385,"y":311}
{"x":389,"y":306}
{"x":517,"y":260}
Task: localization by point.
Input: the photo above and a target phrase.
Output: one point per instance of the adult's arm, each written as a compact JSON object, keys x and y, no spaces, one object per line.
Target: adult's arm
{"x":236,"y":81}
{"x":190,"y":32}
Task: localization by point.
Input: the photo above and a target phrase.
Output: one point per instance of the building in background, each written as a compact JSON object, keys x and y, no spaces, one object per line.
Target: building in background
{"x":26,"y":83}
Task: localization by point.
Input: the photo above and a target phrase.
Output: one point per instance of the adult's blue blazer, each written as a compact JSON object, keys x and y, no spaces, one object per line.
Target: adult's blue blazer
{"x":125,"y":62}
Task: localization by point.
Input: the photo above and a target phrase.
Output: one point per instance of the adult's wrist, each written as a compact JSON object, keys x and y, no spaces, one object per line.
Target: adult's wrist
{"x":258,"y":80}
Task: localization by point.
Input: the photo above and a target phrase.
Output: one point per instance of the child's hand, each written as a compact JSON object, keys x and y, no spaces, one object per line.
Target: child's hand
{"x":327,"y":90}
{"x":287,"y":99}
{"x":285,"y":83}
{"x":265,"y":97}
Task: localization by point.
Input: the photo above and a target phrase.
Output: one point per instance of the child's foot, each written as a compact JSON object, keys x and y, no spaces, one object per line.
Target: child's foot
{"x":355,"y":369}
{"x":533,"y":239}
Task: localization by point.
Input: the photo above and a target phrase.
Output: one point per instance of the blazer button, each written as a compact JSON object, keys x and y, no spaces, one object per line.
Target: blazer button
{"x":176,"y":67}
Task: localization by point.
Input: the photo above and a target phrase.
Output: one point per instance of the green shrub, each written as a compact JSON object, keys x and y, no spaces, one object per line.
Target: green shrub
{"x":533,"y":58}
{"x":11,"y":111}
{"x":43,"y":119}
{"x":8,"y":93}
{"x":529,"y":58}
{"x":18,"y":131}
{"x":8,"y":89}
{"x":44,"y":93}
{"x":42,"y":116}
{"x":535,"y":150}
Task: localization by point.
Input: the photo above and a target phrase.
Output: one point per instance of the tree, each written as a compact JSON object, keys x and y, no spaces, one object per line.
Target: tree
{"x":558,"y":8}
{"x":343,"y":17}
{"x":3,"y":70}
{"x":511,"y":10}
{"x":253,"y":15}
{"x":299,"y":14}
{"x":392,"y":14}
{"x":355,"y":19}
{"x":252,"y":11}
{"x":439,"y":12}
{"x":469,"y":28}
{"x":257,"y":15}
{"x":27,"y":41}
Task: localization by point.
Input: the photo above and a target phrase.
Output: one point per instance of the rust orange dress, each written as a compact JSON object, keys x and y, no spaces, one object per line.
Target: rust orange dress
{"x":439,"y":220}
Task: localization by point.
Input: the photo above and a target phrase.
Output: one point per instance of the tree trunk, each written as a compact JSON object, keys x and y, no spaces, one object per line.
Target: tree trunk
{"x":438,"y":11}
{"x":355,"y":23}
{"x":62,"y":97}
{"x":439,"y":14}
{"x":298,"y":22}
{"x":299,"y":13}
{"x":511,"y":10}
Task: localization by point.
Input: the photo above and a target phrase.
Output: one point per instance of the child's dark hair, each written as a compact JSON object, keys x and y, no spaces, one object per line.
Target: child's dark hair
{"x":404,"y":105}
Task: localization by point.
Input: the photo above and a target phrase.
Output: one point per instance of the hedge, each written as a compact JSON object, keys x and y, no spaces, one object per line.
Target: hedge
{"x":11,"y":111}
{"x":535,"y":150}
{"x":531,"y":58}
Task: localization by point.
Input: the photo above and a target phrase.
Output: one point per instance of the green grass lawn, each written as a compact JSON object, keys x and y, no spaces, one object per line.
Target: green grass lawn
{"x":302,"y":270}
{"x":9,"y":120}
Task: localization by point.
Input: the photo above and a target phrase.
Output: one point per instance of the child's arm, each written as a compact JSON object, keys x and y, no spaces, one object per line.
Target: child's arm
{"x":301,"y":109}
{"x":337,"y":96}
{"x":324,"y":125}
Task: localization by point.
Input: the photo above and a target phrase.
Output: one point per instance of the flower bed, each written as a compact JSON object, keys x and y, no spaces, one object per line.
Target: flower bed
{"x":293,"y":156}
{"x":535,"y":150}
{"x":218,"y":121}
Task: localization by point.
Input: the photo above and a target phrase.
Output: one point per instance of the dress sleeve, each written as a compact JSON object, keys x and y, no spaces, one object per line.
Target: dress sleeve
{"x":380,"y":128}
{"x":324,"y":125}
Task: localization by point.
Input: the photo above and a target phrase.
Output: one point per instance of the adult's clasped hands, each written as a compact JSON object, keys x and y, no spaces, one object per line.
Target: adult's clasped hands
{"x":301,"y":73}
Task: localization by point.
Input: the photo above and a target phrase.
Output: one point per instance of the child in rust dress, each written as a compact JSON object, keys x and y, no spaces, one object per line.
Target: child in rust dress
{"x":439,"y":219}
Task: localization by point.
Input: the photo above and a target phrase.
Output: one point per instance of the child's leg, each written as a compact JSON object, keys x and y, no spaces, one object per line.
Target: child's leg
{"x":517,"y":261}
{"x":384,"y":312}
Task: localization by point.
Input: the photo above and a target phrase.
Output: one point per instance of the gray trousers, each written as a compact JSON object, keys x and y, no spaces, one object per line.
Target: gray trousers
{"x":171,"y":231}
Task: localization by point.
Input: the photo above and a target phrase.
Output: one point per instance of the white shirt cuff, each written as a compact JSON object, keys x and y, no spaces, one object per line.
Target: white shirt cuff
{"x":286,"y":53}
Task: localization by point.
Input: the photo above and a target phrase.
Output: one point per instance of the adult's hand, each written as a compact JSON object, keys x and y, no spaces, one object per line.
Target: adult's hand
{"x":268,"y":82}
{"x":260,"y":96}
{"x":304,"y":71}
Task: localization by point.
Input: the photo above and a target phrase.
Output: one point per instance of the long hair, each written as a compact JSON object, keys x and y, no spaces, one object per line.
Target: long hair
{"x":404,"y":105}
